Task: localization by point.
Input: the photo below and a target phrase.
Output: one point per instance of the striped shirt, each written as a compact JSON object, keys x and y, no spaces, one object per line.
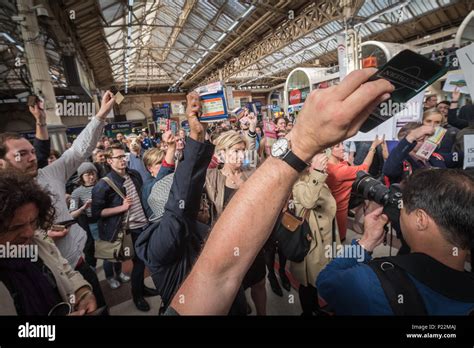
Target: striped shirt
{"x":79,"y":197}
{"x":137,"y":218}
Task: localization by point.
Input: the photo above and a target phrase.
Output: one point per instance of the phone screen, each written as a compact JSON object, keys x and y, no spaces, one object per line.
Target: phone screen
{"x":410,"y":73}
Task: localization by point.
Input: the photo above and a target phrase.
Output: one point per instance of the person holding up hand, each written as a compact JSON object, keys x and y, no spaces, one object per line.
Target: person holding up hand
{"x":161,"y":165}
{"x":171,"y":244}
{"x":17,"y":153}
{"x":341,"y":176}
{"x":328,"y":117}
{"x":403,"y":160}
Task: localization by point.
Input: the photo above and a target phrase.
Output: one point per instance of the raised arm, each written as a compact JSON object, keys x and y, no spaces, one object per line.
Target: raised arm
{"x":41,"y":142}
{"x":40,"y":117}
{"x":453,"y":118}
{"x":85,"y":143}
{"x":328,"y":117}
{"x":372,"y":150}
{"x":170,"y":140}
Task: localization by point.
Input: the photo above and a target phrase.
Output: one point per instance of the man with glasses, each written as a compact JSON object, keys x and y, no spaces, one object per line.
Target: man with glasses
{"x":17,"y":153}
{"x":112,"y":211}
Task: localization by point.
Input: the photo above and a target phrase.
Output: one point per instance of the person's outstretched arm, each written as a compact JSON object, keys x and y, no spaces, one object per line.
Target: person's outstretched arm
{"x":328,"y":117}
{"x":41,"y":143}
{"x":82,"y":148}
{"x":164,"y":246}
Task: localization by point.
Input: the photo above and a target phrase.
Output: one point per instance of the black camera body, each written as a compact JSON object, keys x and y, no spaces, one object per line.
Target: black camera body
{"x":388,"y":197}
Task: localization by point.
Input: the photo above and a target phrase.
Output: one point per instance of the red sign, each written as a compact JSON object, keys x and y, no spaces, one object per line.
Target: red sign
{"x":295,"y":97}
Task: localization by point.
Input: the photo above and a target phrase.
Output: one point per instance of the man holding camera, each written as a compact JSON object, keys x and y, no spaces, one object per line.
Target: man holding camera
{"x":436,"y":221}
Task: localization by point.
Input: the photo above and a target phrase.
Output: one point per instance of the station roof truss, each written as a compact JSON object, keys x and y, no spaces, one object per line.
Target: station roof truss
{"x":158,"y":45}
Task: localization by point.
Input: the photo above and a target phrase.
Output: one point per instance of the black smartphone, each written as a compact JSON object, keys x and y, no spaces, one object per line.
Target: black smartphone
{"x":410,"y":73}
{"x":63,"y":224}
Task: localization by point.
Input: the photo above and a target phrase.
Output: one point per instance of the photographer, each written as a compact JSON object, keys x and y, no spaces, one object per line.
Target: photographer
{"x":436,"y":221}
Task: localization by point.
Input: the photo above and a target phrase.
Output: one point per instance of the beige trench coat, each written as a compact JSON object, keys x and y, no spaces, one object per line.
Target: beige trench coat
{"x":68,"y":281}
{"x":311,"y":192}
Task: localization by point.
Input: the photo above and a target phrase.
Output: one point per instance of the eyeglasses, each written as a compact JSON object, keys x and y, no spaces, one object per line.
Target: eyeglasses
{"x":121,"y":157}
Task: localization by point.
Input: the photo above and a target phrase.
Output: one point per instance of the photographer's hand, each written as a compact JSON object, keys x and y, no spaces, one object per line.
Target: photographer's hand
{"x":373,"y":229}
{"x":336,"y":113}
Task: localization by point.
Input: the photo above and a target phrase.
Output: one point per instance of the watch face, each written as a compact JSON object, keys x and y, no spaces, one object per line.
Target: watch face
{"x":280,"y":147}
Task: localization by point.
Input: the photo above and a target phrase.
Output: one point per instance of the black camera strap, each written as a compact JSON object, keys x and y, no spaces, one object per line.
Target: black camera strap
{"x":392,"y":273}
{"x":401,"y":292}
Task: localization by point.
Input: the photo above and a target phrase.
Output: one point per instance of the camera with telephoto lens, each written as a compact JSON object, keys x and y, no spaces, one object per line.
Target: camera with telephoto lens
{"x":388,"y":197}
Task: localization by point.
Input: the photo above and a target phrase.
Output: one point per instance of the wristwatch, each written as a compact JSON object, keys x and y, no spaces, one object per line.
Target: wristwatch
{"x":282,"y":149}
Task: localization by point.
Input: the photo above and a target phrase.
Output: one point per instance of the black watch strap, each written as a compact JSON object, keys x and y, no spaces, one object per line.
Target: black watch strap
{"x":295,"y":162}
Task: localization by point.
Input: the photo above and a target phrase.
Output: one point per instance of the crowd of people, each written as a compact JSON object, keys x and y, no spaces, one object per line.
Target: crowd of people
{"x":202,"y":208}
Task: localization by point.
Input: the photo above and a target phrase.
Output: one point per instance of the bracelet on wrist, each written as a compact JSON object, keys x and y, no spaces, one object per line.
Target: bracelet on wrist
{"x":41,"y":124}
{"x":363,"y":247}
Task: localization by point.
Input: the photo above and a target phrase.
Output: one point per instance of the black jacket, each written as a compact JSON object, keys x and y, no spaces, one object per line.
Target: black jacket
{"x":103,"y":196}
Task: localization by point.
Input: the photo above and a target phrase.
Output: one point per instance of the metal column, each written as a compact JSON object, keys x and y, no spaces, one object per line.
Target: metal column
{"x":39,"y":70}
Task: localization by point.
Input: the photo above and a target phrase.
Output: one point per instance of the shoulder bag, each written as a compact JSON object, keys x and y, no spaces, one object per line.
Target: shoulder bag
{"x":294,"y":235}
{"x":122,"y":248}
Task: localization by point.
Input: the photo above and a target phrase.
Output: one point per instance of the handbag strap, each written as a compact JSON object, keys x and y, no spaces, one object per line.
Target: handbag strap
{"x":286,"y":209}
{"x":334,"y":231}
{"x":120,"y":193}
{"x":113,"y":186}
{"x":288,"y":200}
{"x":305,"y":214}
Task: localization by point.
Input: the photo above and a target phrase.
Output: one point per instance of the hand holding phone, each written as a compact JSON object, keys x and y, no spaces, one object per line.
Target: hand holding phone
{"x":410,"y":73}
{"x":58,"y":232}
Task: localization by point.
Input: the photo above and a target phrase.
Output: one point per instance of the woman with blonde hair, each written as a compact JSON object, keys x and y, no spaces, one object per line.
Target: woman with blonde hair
{"x":231,"y":150}
{"x":433,"y":117}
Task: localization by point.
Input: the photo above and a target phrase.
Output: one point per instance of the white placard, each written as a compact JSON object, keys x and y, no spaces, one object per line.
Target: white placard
{"x":211,"y":88}
{"x":453,"y":80}
{"x":466,"y":60}
{"x":385,"y":128}
{"x":413,"y":113}
{"x":468,"y":151}
{"x":390,"y":128}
